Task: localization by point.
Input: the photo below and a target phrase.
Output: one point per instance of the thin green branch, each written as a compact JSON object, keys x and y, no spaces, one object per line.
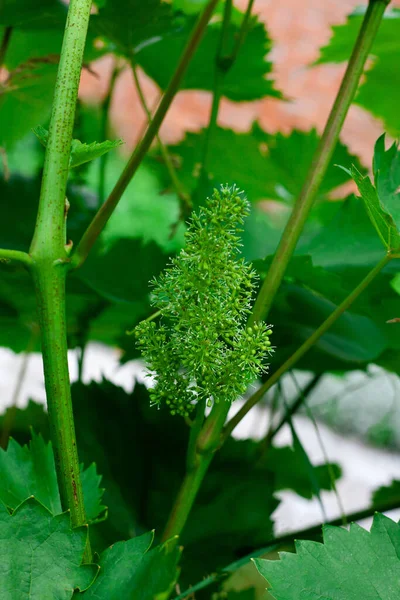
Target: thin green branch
{"x":50,"y":263}
{"x":244,"y":28}
{"x":5,"y":42}
{"x":291,"y":410}
{"x":99,"y":221}
{"x":223,"y":63}
{"x":300,"y":352}
{"x":186,"y":497}
{"x":324,"y":453}
{"x":17,"y":255}
{"x":321,"y":160}
{"x":105,"y":109}
{"x":178,"y":187}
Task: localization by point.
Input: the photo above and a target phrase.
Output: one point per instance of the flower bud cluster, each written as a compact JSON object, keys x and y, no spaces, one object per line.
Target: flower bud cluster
{"x":202,"y":348}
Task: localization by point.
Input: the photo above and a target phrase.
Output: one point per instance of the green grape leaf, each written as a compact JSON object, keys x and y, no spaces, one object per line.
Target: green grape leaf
{"x":30,"y":471}
{"x":353,"y":340}
{"x":30,"y":13}
{"x":379,"y":92}
{"x":130,"y":25}
{"x":265,"y":166}
{"x":41,"y":555}
{"x":131,"y":570}
{"x":80,"y":153}
{"x":347,"y":240}
{"x":105,"y":270}
{"x":349,"y":564}
{"x":386,"y":167}
{"x":25,"y":98}
{"x":17,"y":297}
{"x":309,"y":294}
{"x":93,"y":494}
{"x":247,"y":79}
{"x":22,"y":420}
{"x":21,"y":196}
{"x":380,"y":218}
{"x":189,"y":6}
{"x":387,"y":493}
{"x":249,"y":594}
{"x":31,"y":59}
{"x":37,"y":32}
{"x":382,"y":200}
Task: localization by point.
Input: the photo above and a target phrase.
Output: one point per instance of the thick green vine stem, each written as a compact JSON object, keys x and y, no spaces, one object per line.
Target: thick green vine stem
{"x":295,"y":224}
{"x":51,"y":315}
{"x":50,"y":262}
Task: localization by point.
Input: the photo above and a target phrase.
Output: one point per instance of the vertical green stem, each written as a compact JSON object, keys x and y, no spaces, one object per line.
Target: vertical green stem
{"x":50,"y":291}
{"x":186,"y":497}
{"x":294,"y":227}
{"x":201,"y":455}
{"x":105,"y":109}
{"x":222,"y":65}
{"x":48,"y":239}
{"x":50,"y":262}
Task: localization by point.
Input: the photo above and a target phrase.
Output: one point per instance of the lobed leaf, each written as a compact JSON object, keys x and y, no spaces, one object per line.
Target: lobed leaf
{"x":130,"y":570}
{"x":41,"y":555}
{"x":30,"y":471}
{"x":80,"y":153}
{"x":266,"y":166}
{"x":349,"y":565}
{"x":249,"y":78}
{"x":382,"y":201}
{"x":387,"y":493}
{"x":129,"y":25}
{"x":25,"y":98}
{"x":380,"y":218}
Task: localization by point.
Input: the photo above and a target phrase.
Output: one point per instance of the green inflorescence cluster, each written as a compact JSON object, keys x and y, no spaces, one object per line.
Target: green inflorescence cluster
{"x":202,"y":349}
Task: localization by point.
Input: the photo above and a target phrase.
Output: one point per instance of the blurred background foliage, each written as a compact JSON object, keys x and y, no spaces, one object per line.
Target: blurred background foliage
{"x":110,"y":294}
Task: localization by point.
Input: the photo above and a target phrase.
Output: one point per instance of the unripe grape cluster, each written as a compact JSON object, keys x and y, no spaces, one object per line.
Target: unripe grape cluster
{"x":202,"y":348}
